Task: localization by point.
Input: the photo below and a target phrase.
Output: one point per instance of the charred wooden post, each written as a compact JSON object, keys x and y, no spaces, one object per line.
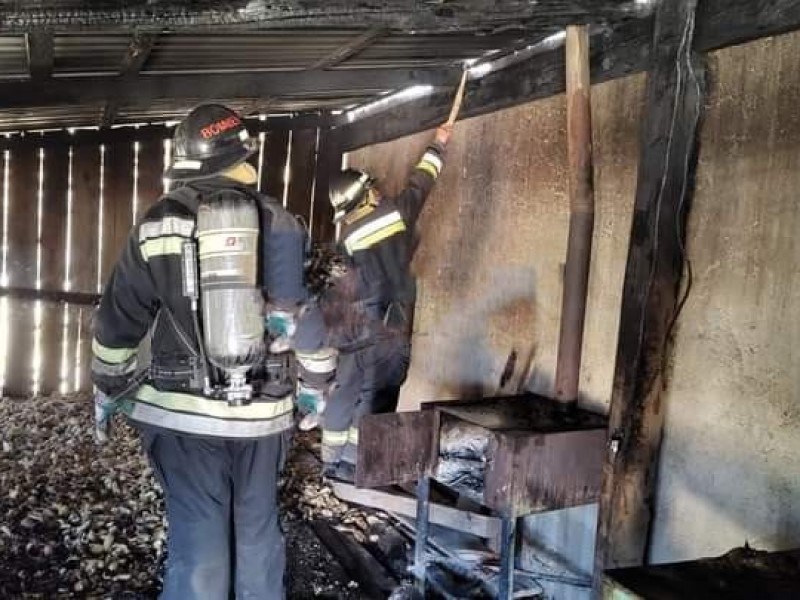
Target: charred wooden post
{"x":652,"y":282}
{"x":581,"y":214}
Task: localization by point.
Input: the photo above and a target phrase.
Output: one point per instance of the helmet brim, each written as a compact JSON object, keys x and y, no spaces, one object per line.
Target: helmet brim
{"x":184,"y":169}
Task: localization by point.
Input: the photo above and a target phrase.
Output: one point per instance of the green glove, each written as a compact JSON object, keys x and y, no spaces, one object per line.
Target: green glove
{"x":310,"y":401}
{"x":104,"y":409}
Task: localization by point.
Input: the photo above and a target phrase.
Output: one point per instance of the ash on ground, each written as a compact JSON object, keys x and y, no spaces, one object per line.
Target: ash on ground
{"x":85,"y":521}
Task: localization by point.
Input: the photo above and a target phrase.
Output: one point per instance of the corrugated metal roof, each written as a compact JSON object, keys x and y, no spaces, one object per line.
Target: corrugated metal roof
{"x":95,"y":54}
{"x":101,"y":54}
{"x":13,"y":57}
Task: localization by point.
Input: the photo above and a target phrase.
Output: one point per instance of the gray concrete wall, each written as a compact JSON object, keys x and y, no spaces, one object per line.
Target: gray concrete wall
{"x":490,"y":262}
{"x":730,"y":462}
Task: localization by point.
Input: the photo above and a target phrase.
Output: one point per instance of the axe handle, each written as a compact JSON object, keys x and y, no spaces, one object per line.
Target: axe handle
{"x":458,"y":99}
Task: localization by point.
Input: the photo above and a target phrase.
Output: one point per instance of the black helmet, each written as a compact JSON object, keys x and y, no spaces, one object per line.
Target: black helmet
{"x":211,"y":139}
{"x":347,"y":189}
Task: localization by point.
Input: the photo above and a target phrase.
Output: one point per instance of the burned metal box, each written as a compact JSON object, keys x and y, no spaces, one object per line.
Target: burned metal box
{"x":535,"y":454}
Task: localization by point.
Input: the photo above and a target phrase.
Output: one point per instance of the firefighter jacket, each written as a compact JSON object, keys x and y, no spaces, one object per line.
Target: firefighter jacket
{"x":144,"y":297}
{"x":380,"y":239}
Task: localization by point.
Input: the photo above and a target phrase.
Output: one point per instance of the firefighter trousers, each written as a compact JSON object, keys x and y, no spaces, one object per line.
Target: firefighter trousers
{"x":368,"y":382}
{"x":221,"y":496}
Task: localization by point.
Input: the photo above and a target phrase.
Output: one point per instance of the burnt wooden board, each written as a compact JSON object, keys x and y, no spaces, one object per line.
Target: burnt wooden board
{"x":151,"y":173}
{"x":275,"y":149}
{"x":22,"y":234}
{"x":55,"y":237}
{"x":329,"y":161}
{"x":393,"y":448}
{"x":118,"y":197}
{"x":85,"y":216}
{"x":302,"y":167}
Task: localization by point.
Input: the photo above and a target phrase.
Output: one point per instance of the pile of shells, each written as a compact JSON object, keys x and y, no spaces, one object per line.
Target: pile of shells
{"x":75,"y":518}
{"x":306,"y":496}
{"x":82,"y":520}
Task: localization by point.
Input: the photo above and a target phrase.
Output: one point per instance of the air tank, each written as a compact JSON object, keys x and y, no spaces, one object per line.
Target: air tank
{"x":233,"y":326}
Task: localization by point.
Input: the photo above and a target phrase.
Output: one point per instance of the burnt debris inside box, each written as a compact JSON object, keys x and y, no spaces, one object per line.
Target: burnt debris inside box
{"x":515,"y":455}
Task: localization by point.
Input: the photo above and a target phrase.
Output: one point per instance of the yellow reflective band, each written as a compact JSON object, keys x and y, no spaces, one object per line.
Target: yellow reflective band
{"x":199,"y":405}
{"x":359,"y":213}
{"x":170,"y":244}
{"x":334,"y":438}
{"x":352,"y":436}
{"x":112,"y":355}
{"x":428,"y":168}
{"x":378,"y":236}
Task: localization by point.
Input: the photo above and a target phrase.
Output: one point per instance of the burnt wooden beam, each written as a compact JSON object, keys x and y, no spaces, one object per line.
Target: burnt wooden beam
{"x":22,"y":293}
{"x":135,"y":57}
{"x":358,"y":563}
{"x":481,"y":15}
{"x":145,"y":89}
{"x":656,"y":257}
{"x":623,"y":51}
{"x":350,"y":49}
{"x":40,"y":52}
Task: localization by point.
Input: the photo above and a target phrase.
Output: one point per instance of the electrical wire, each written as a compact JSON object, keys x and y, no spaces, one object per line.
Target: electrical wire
{"x":684,"y":52}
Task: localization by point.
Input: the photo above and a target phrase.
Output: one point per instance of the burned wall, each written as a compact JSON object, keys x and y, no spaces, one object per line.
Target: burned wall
{"x":732,"y":440}
{"x":490,"y":262}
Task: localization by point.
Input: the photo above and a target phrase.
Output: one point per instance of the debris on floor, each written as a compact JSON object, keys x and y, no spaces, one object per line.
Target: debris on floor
{"x":81,"y":520}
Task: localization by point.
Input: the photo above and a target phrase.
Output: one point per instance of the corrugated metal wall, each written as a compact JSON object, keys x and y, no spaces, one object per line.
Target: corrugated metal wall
{"x":67,"y":209}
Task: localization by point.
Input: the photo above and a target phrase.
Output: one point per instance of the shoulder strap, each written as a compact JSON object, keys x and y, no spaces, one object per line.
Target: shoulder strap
{"x":186,"y":196}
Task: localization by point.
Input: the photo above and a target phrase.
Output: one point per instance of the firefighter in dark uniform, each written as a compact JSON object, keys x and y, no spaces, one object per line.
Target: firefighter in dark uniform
{"x":372,"y":335}
{"x":217,"y":461}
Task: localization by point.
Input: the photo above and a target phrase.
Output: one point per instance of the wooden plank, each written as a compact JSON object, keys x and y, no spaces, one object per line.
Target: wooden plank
{"x":394,"y":448}
{"x":83,"y":348}
{"x":146,"y":89}
{"x":54,"y":267}
{"x":151,"y":173}
{"x":461,"y":520}
{"x":275,"y":152}
{"x":329,"y":161}
{"x":52,"y":296}
{"x":652,"y":280}
{"x":85,"y":216}
{"x":301,"y":172}
{"x":720,"y":23}
{"x":118,"y":195}
{"x":22,"y":234}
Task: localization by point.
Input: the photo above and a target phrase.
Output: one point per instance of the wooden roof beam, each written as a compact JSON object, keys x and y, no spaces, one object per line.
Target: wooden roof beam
{"x":40,"y":51}
{"x":624,"y":51}
{"x":350,"y":49}
{"x":135,"y":57}
{"x":145,"y":89}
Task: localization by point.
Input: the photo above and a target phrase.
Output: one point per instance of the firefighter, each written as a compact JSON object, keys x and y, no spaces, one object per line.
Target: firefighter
{"x":217,"y":460}
{"x":370,"y":306}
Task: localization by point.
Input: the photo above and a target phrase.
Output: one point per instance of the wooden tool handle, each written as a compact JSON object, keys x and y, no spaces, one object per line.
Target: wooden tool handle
{"x":458,"y":99}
